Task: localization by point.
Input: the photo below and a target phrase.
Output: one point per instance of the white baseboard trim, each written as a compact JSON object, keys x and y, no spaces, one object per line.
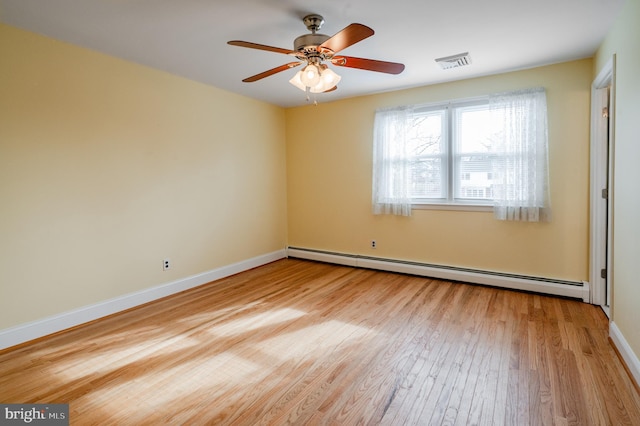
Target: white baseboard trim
{"x":575,"y":289}
{"x":53,"y":324}
{"x":629,"y":357}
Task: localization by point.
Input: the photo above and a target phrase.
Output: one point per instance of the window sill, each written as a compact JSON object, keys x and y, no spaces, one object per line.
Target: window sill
{"x":458,"y":207}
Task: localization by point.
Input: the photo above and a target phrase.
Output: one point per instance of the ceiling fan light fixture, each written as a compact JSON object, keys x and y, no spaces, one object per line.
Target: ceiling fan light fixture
{"x":312,"y":49}
{"x":326,"y":80}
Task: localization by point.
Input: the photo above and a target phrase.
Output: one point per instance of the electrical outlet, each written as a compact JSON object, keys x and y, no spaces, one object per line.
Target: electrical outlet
{"x":166,"y":264}
{"x":373,"y":244}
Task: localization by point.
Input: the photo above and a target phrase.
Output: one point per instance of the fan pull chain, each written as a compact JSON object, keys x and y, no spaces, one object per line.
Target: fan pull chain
{"x":315,"y":100}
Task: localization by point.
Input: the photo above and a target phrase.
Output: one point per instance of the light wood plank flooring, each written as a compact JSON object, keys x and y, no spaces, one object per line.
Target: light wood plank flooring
{"x":299,"y":342}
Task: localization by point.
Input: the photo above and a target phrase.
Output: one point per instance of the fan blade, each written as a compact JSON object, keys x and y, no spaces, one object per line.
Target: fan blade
{"x":260,"y":47}
{"x":331,"y":90}
{"x":271,"y":72}
{"x":368,"y":64}
{"x":347,"y":37}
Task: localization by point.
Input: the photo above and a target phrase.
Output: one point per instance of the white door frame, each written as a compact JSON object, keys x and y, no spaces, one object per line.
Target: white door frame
{"x":601,"y":177}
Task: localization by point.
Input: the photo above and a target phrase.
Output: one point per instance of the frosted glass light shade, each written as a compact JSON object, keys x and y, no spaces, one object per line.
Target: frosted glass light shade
{"x":328,"y":79}
{"x":296,"y":81}
{"x":310,"y":75}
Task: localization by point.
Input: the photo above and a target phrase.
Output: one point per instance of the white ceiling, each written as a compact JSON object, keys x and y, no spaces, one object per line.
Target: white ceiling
{"x":188,"y":37}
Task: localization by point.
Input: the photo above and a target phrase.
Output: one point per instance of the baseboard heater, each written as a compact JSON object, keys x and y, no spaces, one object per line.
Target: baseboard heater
{"x":574,"y":289}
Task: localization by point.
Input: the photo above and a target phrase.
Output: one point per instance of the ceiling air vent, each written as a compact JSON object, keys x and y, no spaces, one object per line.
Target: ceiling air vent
{"x":455,"y":61}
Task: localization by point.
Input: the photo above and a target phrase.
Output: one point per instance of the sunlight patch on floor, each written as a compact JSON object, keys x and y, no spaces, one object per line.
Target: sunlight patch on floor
{"x":75,"y":346}
{"x":328,"y":334}
{"x":211,"y":375}
{"x":191,"y":381}
{"x":259,"y":320}
{"x":217,"y":314}
{"x":97,"y":361}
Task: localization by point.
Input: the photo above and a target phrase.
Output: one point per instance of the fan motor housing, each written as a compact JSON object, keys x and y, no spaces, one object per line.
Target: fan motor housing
{"x":309,"y":42}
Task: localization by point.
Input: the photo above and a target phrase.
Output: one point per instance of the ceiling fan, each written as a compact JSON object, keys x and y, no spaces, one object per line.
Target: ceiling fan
{"x":313,"y":49}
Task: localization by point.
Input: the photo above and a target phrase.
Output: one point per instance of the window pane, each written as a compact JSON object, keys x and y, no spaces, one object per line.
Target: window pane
{"x":426,"y":134}
{"x":427,"y":148}
{"x":474,"y":129}
{"x":427,"y":178}
{"x":476,"y":179}
{"x":474,"y":134}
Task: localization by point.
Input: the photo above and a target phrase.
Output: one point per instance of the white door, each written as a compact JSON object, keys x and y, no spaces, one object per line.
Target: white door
{"x":602,"y":144}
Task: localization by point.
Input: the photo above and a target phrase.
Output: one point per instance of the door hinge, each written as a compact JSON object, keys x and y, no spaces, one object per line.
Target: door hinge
{"x":605,"y":193}
{"x":605,"y":112}
{"x":603,"y":273}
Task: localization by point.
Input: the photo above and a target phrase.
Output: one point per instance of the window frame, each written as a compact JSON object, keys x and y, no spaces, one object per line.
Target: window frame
{"x":450,"y":202}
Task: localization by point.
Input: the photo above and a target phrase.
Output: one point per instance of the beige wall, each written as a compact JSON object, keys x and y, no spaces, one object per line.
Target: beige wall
{"x":624,"y":41}
{"x":107,"y":167}
{"x":329,"y":160}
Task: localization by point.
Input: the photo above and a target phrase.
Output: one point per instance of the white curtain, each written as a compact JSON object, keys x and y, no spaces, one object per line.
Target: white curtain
{"x":521,"y":176}
{"x":391,"y":162}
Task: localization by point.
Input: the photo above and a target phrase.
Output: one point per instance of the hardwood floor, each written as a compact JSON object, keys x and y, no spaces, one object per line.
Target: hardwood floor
{"x":298,"y":342}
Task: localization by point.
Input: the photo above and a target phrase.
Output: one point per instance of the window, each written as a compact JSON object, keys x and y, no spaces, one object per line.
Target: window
{"x":490,"y":151}
{"x":451,"y":148}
